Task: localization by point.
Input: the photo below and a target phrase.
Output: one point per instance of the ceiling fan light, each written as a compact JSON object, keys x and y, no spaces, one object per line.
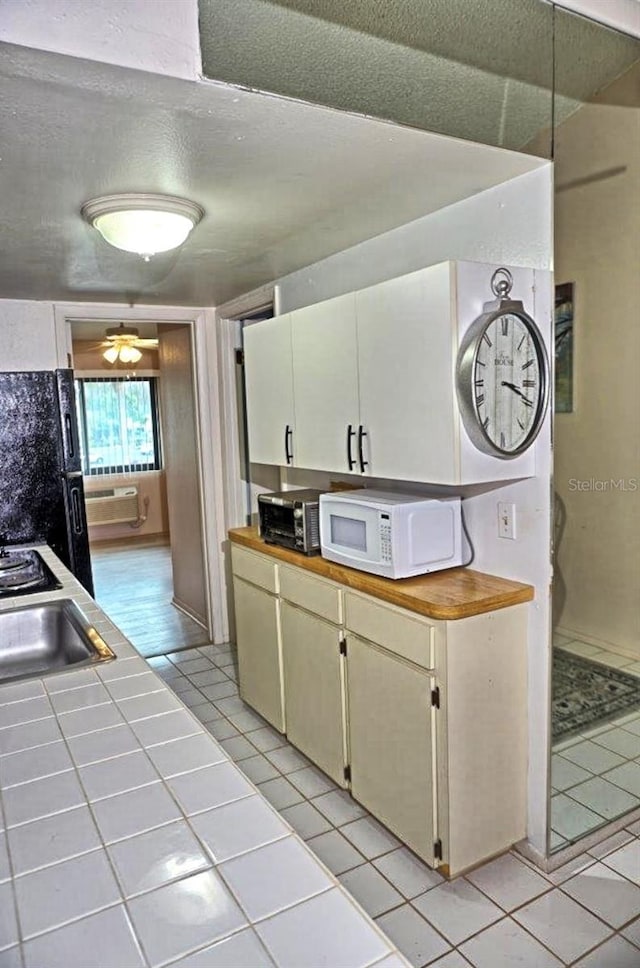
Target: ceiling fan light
{"x":144,"y":224}
{"x":111,"y":355}
{"x":129,"y":354}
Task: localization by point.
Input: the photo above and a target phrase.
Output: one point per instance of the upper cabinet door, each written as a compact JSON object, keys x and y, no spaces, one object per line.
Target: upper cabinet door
{"x":269,"y":388}
{"x":325,"y":374}
{"x":405,"y":339}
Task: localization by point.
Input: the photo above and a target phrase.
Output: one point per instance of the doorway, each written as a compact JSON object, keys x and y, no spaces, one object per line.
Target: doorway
{"x":139,"y":430}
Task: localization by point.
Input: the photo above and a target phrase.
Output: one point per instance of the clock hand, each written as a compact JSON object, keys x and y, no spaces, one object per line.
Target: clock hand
{"x":512,"y":386}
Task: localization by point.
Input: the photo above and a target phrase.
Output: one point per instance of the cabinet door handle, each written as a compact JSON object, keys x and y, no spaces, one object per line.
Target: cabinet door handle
{"x":363,"y":463}
{"x":350,"y":461}
{"x":288,"y":436}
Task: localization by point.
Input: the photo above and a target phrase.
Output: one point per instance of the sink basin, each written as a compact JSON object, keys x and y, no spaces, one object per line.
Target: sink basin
{"x":52,"y":637}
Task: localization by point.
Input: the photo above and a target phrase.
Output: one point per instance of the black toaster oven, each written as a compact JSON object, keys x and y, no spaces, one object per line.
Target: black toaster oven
{"x":291,"y":519}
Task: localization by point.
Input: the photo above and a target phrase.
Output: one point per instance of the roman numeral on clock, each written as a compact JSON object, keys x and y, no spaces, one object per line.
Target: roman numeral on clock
{"x":505,"y":325}
{"x":503,"y":440}
{"x":486,"y":340}
{"x":525,"y":366}
{"x":480,"y":399}
{"x":528,"y":383}
{"x":485,"y":422}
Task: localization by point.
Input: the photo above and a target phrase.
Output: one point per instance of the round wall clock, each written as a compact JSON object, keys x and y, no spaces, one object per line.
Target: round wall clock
{"x":502,"y":375}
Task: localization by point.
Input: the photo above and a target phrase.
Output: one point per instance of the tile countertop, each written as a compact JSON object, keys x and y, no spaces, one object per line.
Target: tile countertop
{"x":129,"y":839}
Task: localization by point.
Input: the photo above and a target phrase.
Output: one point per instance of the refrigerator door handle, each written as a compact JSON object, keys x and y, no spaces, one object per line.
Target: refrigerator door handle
{"x":70,"y":475}
{"x":76,"y":511}
{"x":70,"y":435}
{"x":68,"y":421}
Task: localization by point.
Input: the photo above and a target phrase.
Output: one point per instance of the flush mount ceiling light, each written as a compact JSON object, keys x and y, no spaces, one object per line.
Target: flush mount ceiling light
{"x":142,"y":223}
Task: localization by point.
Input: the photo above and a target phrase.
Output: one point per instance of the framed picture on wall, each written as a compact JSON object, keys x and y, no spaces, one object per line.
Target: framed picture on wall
{"x":564,"y":348}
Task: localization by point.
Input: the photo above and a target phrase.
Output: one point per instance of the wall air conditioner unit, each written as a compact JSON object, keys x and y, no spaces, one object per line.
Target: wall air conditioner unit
{"x":112,"y":505}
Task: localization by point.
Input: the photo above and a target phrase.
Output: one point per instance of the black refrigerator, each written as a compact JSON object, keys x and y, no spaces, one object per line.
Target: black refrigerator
{"x":41,"y":489}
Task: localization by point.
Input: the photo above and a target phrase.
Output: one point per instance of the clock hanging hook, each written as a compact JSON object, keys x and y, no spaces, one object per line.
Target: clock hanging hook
{"x":501,"y":283}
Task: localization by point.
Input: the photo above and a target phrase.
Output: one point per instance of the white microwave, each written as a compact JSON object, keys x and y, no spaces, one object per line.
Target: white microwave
{"x":393,"y":535}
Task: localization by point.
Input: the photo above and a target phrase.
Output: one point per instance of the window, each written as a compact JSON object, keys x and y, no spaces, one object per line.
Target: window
{"x":118,"y":424}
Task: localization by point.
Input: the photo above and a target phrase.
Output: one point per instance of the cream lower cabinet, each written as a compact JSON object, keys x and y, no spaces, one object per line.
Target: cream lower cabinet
{"x":257,"y":610}
{"x":437,"y":727}
{"x":390,"y":743}
{"x":429,"y":717}
{"x":392,"y":718}
{"x":314,"y":688}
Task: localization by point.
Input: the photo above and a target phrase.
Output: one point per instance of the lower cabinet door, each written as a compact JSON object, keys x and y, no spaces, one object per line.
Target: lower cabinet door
{"x":313,"y":688}
{"x":390,"y":743}
{"x":259,"y":661}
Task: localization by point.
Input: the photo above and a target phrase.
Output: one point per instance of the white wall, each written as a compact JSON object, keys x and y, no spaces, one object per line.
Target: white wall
{"x":512,"y":225}
{"x":509,"y":224}
{"x":597,"y":445}
{"x":160,"y":36}
{"x":621,"y":14}
{"x":27,"y":336}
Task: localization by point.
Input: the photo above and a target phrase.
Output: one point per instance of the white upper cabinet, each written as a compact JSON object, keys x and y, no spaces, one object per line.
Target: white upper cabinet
{"x":325,"y":382}
{"x":406,"y":389}
{"x":269,"y":387}
{"x":374,"y":378}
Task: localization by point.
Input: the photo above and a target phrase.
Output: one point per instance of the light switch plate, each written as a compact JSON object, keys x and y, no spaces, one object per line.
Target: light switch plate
{"x":506,"y":520}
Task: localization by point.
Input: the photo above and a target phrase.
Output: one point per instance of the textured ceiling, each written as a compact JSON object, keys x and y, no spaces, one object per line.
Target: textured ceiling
{"x":283,"y":183}
{"x":476,"y":69}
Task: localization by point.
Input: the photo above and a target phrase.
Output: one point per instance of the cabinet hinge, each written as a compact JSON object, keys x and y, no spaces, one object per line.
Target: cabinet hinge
{"x":343,"y":646}
{"x":347,"y":774}
{"x":435,"y":697}
{"x":437,"y":849}
{"x":239,"y":357}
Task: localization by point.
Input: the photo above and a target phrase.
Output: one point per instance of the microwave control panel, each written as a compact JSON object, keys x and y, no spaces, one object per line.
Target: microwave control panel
{"x":385,"y":538}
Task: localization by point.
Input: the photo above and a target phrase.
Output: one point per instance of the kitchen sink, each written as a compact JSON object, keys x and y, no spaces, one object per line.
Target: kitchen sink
{"x":51,"y":637}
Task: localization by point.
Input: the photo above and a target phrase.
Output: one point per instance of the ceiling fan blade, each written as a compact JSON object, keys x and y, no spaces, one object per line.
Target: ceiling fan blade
{"x":91,"y":344}
{"x":146,"y":343}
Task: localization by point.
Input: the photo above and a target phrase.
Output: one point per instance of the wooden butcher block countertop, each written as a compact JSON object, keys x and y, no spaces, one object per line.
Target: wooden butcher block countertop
{"x":446,"y":595}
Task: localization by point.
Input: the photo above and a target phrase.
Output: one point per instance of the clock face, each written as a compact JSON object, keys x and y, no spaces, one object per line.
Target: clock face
{"x":502,"y":382}
{"x":507,"y":382}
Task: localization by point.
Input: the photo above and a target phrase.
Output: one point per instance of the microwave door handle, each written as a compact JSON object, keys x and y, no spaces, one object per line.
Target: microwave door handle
{"x":288,"y":435}
{"x":351,"y":463}
{"x":363,"y":463}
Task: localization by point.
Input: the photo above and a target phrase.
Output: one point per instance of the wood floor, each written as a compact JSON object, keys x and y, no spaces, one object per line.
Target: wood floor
{"x":134,"y":587}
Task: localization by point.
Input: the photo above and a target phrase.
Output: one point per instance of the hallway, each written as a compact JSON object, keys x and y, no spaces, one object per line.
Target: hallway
{"x":134,"y":586}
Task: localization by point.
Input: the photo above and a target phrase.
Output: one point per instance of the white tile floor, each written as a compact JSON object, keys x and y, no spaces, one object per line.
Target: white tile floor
{"x":502,"y":915}
{"x":595,"y":775}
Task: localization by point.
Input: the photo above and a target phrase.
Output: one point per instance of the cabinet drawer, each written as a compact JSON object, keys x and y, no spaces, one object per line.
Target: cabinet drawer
{"x":257,"y":569}
{"x":392,"y":628}
{"x":316,"y":595}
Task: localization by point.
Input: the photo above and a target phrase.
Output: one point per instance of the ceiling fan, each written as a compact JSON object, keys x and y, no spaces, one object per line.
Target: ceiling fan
{"x":123,"y":344}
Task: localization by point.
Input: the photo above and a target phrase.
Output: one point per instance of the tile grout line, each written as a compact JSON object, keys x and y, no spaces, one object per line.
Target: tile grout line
{"x":507,"y":914}
{"x":306,"y":799}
